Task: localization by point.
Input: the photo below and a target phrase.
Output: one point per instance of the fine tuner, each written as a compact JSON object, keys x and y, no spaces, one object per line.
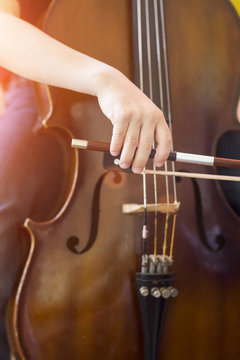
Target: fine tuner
{"x":173,"y":156}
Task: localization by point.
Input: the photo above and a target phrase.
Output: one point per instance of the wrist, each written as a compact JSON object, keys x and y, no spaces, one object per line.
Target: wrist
{"x":105,"y":76}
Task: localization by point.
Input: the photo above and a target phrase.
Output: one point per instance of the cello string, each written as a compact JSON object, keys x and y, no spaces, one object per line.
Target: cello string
{"x":160,"y":79}
{"x":140,"y":55}
{"x":173,"y":236}
{"x":148,"y":49}
{"x":164,"y":42}
{"x":149,"y":59}
{"x":140,"y":59}
{"x":165,"y":60}
{"x":158,"y":53}
{"x":165,"y":236}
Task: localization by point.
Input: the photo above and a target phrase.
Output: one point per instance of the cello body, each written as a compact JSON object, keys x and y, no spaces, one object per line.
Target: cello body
{"x":76,"y":297}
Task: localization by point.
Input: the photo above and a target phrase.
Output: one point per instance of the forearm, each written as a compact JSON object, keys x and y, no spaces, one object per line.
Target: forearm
{"x":29,"y":52}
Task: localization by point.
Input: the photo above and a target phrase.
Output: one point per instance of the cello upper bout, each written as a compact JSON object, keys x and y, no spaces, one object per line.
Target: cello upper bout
{"x":94,"y":29}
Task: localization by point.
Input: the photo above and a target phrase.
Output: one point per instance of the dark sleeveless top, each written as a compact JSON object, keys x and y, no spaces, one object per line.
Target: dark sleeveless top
{"x":31,"y":11}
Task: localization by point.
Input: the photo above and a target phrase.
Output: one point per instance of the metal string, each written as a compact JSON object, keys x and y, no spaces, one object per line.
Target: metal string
{"x":164,"y":42}
{"x":140,"y":58}
{"x":161,"y":64}
{"x":165,"y":63}
{"x":160,"y":79}
{"x":147,"y":15}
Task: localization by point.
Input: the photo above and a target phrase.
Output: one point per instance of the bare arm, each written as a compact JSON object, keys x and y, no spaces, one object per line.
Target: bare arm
{"x":29,"y":52}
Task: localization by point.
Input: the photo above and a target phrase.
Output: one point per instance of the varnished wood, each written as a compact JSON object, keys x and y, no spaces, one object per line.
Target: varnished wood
{"x":84,"y":306}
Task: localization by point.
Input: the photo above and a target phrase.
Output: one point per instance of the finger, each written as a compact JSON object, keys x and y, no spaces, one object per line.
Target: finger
{"x":164,"y":141}
{"x":130,"y":144}
{"x":118,"y":136}
{"x":144,"y":148}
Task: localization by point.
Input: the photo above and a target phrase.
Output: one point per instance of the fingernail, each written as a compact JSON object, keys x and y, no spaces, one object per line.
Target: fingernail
{"x":159,"y":164}
{"x":124,"y":165}
{"x":114,"y":153}
{"x":137,"y":170}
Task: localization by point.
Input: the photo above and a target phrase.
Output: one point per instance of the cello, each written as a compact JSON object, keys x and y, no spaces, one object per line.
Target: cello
{"x":77,"y":295}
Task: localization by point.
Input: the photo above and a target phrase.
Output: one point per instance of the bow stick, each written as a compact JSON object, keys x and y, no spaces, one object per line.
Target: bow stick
{"x":173,"y":156}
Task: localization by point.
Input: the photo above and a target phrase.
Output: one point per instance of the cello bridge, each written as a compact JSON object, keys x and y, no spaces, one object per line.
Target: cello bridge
{"x":163,"y":208}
